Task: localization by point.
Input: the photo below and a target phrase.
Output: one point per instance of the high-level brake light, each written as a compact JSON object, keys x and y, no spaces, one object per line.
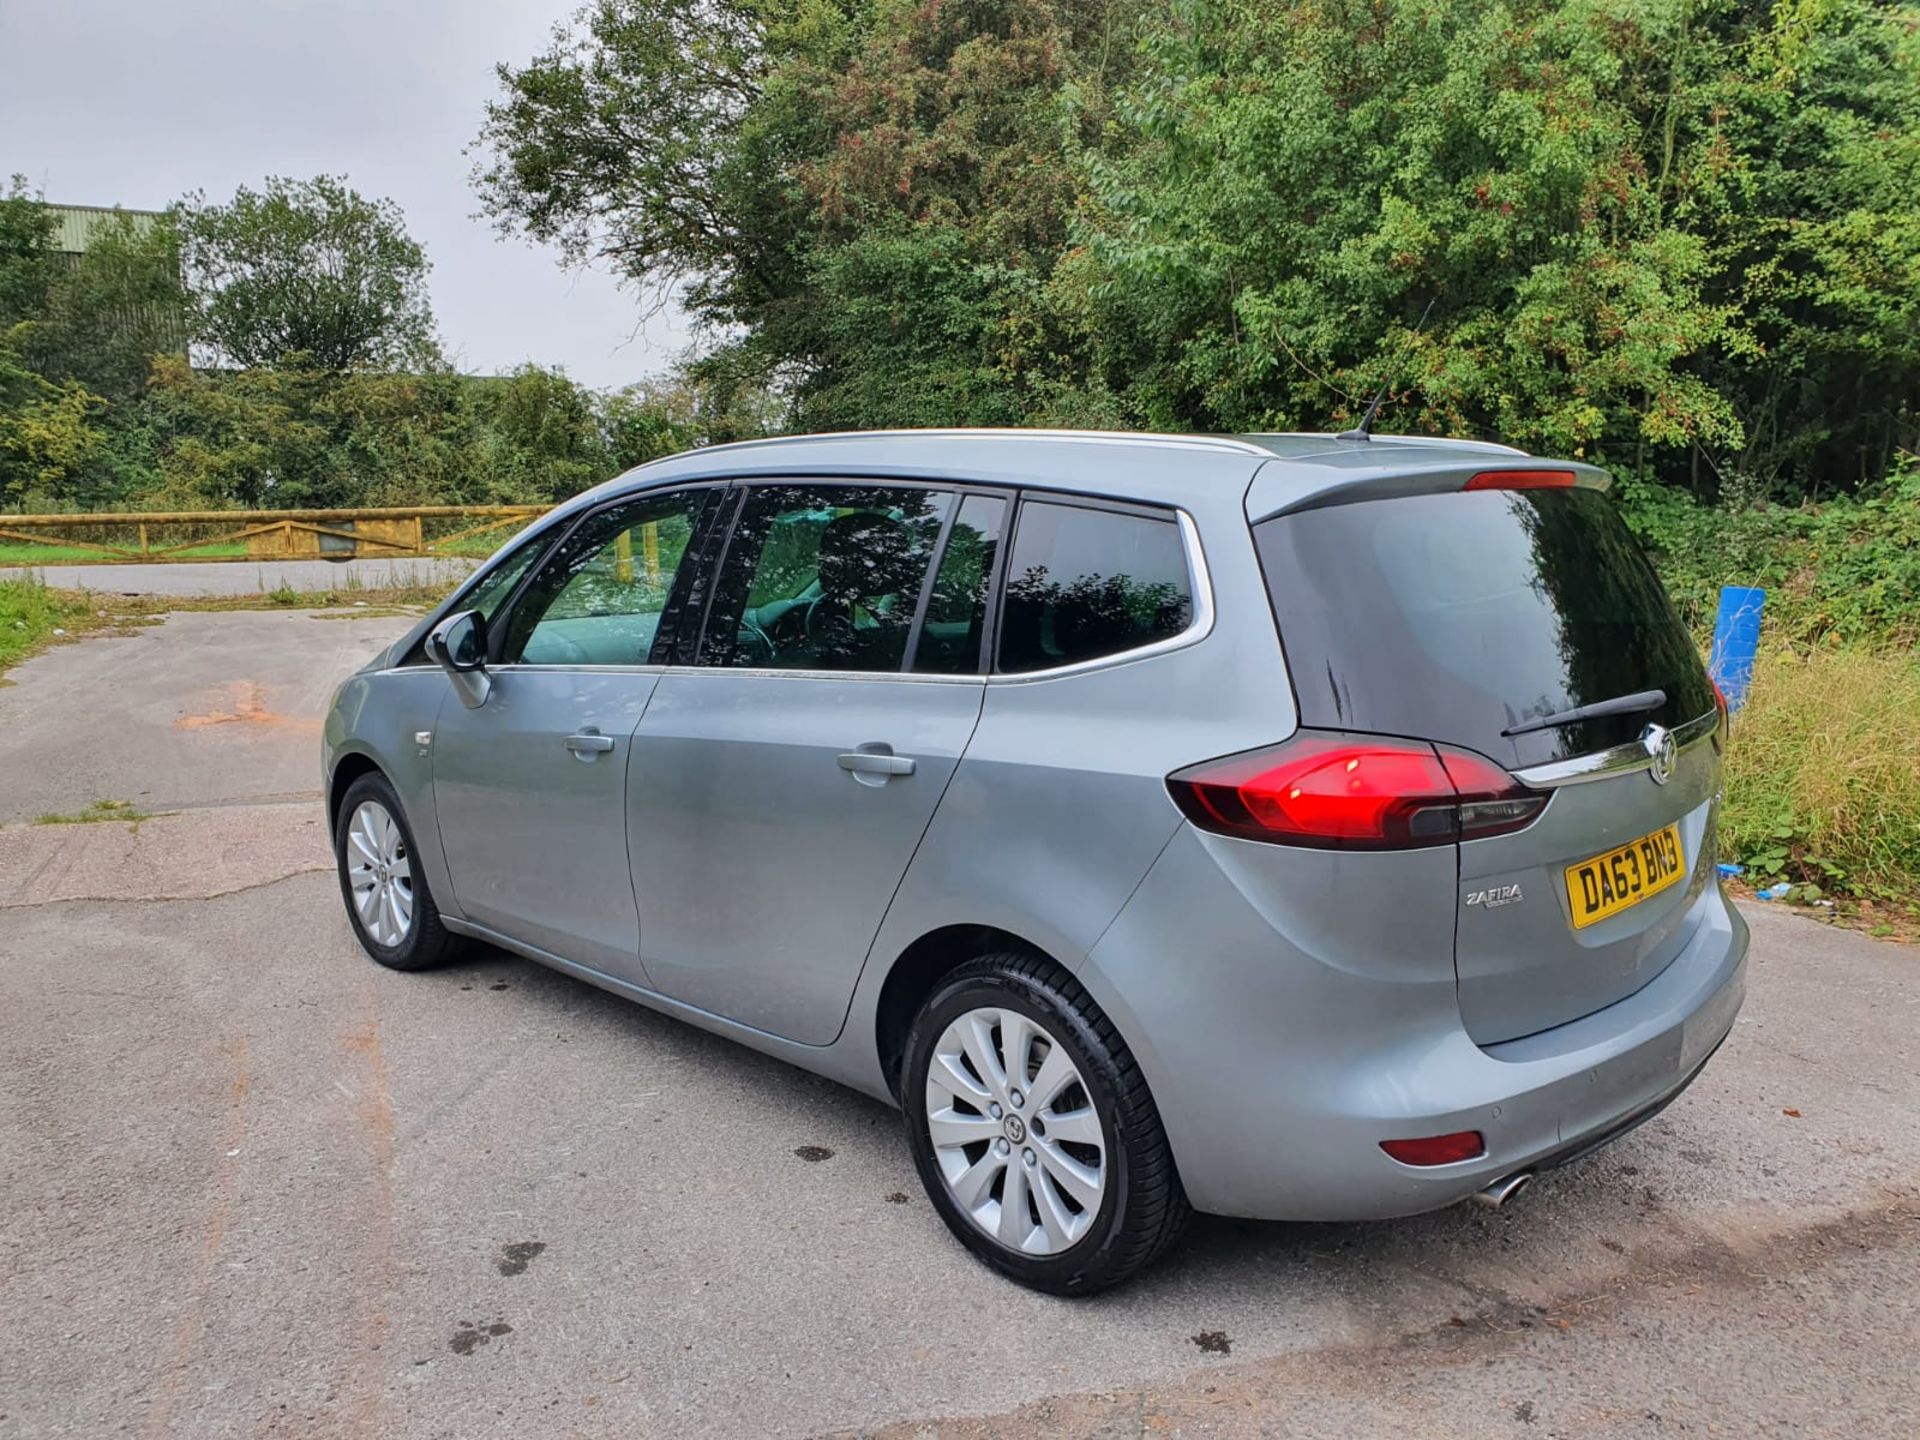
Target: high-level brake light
{"x":1522,"y":480}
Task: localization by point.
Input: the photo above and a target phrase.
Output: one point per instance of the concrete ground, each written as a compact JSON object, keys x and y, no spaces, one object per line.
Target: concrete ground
{"x":256,"y":1186}
{"x":247,"y":577}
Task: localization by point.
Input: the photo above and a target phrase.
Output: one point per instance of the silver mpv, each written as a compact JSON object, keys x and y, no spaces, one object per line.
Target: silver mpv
{"x":1288,"y":826}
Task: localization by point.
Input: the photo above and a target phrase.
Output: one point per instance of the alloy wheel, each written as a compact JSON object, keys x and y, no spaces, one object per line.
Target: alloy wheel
{"x":380,"y":874}
{"x":1015,"y":1132}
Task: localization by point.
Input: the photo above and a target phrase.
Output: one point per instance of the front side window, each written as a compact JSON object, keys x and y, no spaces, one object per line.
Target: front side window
{"x":1083,"y":584}
{"x":600,"y":596}
{"x":824,"y":577}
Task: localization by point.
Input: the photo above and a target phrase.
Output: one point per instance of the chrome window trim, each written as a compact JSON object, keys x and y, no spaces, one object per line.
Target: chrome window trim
{"x":1199,"y":626}
{"x":522,"y":666}
{"x":1615,"y":760}
{"x":775,"y":673}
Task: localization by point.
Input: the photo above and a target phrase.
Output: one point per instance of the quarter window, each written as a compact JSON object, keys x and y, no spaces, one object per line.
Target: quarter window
{"x":600,"y":597}
{"x":1084,"y":583}
{"x":824,"y":577}
{"x":491,"y":592}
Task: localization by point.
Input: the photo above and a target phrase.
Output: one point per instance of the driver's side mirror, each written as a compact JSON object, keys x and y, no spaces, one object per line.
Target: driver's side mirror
{"x":458,"y":645}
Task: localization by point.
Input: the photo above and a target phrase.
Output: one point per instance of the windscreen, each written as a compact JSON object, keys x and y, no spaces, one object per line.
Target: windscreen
{"x":1458,"y":617}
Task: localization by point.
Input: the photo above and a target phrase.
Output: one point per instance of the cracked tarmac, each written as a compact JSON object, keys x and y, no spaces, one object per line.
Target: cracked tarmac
{"x":256,"y":1186}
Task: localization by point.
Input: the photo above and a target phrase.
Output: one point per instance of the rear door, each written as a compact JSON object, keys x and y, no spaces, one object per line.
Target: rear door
{"x":1479,"y":619}
{"x":780,"y":786}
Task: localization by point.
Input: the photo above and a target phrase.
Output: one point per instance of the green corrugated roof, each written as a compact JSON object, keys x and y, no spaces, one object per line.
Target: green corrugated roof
{"x":75,"y":224}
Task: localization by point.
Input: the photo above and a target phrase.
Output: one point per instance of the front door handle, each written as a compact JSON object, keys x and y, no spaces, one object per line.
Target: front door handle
{"x":589,"y":742}
{"x":876,"y":762}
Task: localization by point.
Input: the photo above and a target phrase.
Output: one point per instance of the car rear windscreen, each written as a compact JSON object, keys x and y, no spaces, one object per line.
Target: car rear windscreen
{"x":1456,"y":617}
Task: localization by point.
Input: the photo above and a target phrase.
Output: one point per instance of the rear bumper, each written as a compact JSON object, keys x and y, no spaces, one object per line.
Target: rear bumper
{"x":1279,"y":1073}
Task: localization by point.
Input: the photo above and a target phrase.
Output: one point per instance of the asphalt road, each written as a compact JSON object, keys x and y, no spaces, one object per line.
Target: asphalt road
{"x":255,"y":1186}
{"x":247,"y":577}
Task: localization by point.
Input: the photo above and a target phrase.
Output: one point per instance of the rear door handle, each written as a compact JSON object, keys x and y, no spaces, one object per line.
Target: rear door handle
{"x":589,"y":742}
{"x":876,"y":762}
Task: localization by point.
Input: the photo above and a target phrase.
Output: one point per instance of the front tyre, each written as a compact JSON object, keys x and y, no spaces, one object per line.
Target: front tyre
{"x":388,"y":903}
{"x":1033,"y":1129}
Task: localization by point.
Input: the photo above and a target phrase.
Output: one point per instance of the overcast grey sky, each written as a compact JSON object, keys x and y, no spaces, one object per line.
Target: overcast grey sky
{"x":135,"y":102}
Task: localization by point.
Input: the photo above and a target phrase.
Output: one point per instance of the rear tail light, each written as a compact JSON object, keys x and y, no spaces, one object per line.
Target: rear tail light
{"x":1522,"y":480}
{"x":1437,"y":1149}
{"x":1726,"y":715}
{"x":1351,"y":792}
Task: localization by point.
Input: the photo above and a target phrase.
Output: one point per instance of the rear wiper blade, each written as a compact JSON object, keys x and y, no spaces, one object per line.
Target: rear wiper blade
{"x":1634,"y":704}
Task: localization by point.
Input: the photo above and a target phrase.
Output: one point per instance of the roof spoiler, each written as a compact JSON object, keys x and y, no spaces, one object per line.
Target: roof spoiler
{"x":1280,"y":488}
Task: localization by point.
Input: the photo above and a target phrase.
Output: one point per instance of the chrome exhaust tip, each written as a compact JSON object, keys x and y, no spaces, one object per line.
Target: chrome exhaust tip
{"x":1503,"y":1190}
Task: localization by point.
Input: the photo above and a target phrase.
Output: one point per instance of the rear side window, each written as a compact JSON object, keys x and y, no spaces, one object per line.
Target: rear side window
{"x":1455,"y":617}
{"x":1083,"y":584}
{"x":957,"y":609}
{"x":824,"y":577}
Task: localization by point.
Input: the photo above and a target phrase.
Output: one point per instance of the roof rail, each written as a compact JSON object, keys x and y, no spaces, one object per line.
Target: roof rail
{"x":1229,"y":443}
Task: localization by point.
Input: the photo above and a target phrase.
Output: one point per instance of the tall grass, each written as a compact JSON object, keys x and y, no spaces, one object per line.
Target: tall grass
{"x":1825,"y":765}
{"x":30,"y":612}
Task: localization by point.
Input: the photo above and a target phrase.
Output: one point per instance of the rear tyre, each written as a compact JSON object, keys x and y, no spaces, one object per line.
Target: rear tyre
{"x":1033,"y":1129}
{"x":388,"y":903}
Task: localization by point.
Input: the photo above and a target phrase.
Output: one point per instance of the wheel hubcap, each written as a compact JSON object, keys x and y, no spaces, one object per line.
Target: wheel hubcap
{"x":1014,"y":1132}
{"x":380,"y":874}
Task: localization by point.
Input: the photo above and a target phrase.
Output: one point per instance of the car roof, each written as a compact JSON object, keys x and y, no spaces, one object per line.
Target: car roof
{"x":1123,"y":465}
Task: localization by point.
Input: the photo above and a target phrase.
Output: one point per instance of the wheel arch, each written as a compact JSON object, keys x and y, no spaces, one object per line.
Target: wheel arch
{"x":920,"y":967}
{"x":347,"y":769}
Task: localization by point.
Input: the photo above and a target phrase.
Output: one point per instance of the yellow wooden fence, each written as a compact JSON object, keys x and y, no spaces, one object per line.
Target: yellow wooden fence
{"x":175,"y":536}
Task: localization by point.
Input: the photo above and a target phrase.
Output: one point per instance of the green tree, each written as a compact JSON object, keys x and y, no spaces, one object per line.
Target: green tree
{"x":108,"y":314}
{"x":308,"y":272}
{"x":867,"y":196}
{"x":28,"y":263}
{"x":645,"y":136}
{"x":48,"y":441}
{"x":1678,"y":236}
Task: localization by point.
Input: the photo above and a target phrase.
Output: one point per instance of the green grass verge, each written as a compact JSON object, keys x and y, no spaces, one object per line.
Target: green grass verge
{"x":30,"y":613}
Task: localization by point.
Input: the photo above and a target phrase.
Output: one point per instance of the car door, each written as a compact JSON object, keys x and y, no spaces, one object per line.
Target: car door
{"x":530,"y":786}
{"x":780,"y":784}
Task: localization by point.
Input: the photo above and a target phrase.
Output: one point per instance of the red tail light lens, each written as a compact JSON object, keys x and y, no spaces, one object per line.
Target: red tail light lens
{"x":1522,"y":480}
{"x":1437,"y":1149}
{"x":1348,"y":792}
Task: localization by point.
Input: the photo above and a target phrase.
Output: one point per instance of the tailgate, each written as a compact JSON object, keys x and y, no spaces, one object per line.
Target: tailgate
{"x":1526,"y":625}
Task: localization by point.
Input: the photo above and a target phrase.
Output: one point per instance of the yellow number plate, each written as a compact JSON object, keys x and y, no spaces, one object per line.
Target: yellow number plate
{"x":1609,"y":883}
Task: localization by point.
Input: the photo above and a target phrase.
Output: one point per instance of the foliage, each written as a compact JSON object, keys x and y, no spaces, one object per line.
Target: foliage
{"x":46,"y":433}
{"x":105,"y":317}
{"x":291,"y":437}
{"x":307,"y":271}
{"x":1847,"y":569}
{"x":1823,"y":773}
{"x":1675,"y":236}
{"x":868,"y":197}
{"x":27,"y":261}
